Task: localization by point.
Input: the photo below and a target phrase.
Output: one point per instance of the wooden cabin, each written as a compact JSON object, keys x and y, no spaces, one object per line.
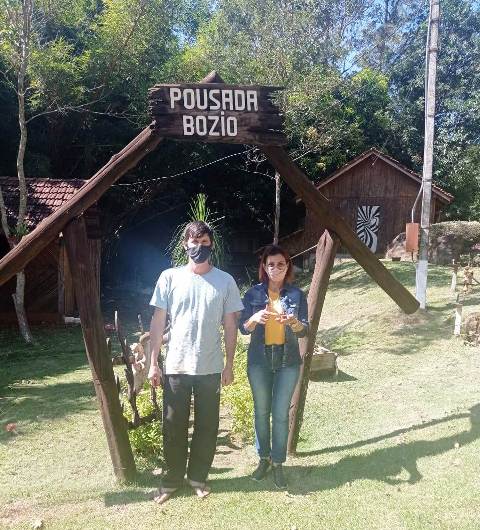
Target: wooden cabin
{"x":49,"y":292}
{"x":375,"y":193}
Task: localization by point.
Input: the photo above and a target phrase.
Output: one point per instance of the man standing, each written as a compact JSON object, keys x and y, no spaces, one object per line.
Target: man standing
{"x":198,"y":298}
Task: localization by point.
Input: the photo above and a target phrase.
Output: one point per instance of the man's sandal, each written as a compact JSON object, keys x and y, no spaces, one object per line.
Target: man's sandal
{"x":200,"y":488}
{"x":164,"y":494}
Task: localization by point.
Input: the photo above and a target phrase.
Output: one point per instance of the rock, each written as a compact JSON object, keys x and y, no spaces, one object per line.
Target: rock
{"x":448,"y":240}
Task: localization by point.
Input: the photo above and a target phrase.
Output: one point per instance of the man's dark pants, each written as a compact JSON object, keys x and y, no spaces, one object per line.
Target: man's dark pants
{"x":177,"y":394}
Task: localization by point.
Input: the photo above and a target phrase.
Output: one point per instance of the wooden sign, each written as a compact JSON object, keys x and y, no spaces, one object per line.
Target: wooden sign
{"x":216,"y":112}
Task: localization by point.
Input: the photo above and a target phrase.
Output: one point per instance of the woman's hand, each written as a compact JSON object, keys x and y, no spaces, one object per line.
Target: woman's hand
{"x":260,"y":317}
{"x":290,"y":320}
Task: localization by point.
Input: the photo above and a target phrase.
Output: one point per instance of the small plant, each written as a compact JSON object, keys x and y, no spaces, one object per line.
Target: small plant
{"x":20,"y":231}
{"x":146,"y":440}
{"x":238,"y":397}
{"x":199,"y":211}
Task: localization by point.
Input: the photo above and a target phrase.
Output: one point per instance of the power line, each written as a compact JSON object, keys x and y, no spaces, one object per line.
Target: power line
{"x":186,"y":171}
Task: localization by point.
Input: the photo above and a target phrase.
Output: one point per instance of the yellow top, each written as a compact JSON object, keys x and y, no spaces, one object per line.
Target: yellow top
{"x":274,"y":331}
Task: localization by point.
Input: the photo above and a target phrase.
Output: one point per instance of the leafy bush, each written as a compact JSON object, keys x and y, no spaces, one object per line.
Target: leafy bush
{"x":146,"y":440}
{"x":238,"y":397}
{"x":466,"y":230}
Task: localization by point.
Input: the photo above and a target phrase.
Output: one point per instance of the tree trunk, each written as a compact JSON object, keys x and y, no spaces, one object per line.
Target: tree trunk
{"x":278,"y":183}
{"x":24,"y":53}
{"x":18,"y":301}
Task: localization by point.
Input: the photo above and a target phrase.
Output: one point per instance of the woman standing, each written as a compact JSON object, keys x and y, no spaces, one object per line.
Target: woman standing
{"x":275,"y":313}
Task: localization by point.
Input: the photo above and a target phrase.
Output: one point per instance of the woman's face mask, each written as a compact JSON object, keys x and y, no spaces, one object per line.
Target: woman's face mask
{"x":276,"y":270}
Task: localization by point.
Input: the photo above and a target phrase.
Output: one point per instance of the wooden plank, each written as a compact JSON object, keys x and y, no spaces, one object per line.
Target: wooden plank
{"x":88,"y":194}
{"x":69,"y":303}
{"x":242,"y":137}
{"x":214,"y":96}
{"x":88,"y":301}
{"x":325,"y":255}
{"x":216,"y":112}
{"x":250,"y":120}
{"x":329,"y":218}
{"x":61,"y":278}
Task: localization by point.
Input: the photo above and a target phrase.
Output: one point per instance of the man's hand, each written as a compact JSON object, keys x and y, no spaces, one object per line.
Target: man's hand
{"x":155,"y":375}
{"x":227,"y":376}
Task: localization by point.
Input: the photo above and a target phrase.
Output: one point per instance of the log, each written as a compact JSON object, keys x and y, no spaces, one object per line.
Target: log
{"x":325,"y":255}
{"x":32,"y":244}
{"x":331,"y":219}
{"x":88,"y":301}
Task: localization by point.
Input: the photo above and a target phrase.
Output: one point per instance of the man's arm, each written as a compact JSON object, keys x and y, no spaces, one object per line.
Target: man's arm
{"x":157,"y":327}
{"x":230,"y":330}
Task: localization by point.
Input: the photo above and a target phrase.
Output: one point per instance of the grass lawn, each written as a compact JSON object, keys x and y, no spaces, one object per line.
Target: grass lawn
{"x":392,"y":442}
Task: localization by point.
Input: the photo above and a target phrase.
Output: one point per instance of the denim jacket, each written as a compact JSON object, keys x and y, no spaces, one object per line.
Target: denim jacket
{"x":293,"y":302}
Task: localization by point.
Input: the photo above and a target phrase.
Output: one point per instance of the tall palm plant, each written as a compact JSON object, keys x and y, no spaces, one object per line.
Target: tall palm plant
{"x":199,"y":211}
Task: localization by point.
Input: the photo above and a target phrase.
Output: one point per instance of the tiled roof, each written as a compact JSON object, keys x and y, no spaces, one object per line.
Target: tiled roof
{"x":44,"y":196}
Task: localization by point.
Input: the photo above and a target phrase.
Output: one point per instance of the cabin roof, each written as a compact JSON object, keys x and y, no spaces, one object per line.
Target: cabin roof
{"x":375,"y":154}
{"x":44,"y":197}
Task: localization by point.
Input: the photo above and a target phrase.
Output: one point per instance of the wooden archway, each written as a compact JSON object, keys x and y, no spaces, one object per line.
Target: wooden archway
{"x":69,"y":220}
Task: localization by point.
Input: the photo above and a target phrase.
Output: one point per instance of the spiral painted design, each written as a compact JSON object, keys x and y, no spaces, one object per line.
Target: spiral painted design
{"x":368,"y":222}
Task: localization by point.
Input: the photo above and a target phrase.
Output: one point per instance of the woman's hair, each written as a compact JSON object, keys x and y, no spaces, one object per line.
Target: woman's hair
{"x":274,"y":250}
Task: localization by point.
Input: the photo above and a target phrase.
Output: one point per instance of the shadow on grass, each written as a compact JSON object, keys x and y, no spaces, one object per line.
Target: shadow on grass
{"x":58,"y":350}
{"x":383,"y":465}
{"x":375,"y":439}
{"x":26,"y":404}
{"x":339,"y":377}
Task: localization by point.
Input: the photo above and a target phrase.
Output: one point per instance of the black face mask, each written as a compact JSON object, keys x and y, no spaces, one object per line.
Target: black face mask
{"x":199,"y":253}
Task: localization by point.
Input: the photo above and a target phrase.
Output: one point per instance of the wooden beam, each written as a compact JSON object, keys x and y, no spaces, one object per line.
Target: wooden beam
{"x":326,"y":249}
{"x":88,"y":194}
{"x":331,"y":219}
{"x":88,"y":301}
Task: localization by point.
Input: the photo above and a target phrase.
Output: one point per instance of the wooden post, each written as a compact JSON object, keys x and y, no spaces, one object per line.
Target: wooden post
{"x":458,"y":315}
{"x":431,"y":72}
{"x":326,"y":249}
{"x":88,"y":301}
{"x":453,"y":285}
{"x":61,"y":278}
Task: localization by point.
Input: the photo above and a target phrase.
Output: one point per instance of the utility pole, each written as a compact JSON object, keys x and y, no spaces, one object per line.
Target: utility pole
{"x":431,"y":72}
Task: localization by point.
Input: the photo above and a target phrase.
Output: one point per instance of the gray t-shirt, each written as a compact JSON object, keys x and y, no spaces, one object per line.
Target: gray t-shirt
{"x":196,"y":304}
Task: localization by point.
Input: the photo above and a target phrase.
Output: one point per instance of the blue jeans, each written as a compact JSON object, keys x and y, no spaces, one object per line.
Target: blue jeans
{"x":272,"y":392}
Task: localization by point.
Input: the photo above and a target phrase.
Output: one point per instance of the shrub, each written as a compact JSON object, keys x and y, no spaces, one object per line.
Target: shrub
{"x":469,"y":231}
{"x":238,"y":397}
{"x":146,"y":440}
